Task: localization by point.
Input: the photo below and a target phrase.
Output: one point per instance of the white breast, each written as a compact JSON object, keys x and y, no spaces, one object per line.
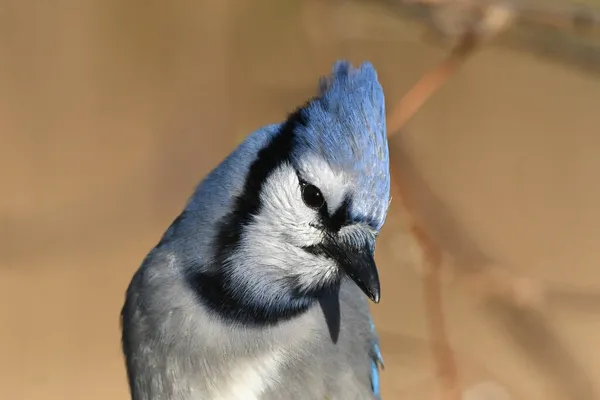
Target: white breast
{"x":251,"y":378}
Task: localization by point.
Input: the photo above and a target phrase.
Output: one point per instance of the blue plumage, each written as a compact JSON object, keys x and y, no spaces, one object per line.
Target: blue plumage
{"x":377,"y":361}
{"x":259,"y":288}
{"x":348,"y":129}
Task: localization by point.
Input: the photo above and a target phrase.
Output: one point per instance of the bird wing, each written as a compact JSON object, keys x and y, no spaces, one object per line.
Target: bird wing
{"x":376,"y":363}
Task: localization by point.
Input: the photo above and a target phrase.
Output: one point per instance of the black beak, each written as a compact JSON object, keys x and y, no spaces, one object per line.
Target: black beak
{"x":358,"y":262}
{"x":359,"y":265}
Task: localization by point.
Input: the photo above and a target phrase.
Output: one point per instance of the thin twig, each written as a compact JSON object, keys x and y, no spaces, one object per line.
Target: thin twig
{"x":429,"y":83}
{"x":447,"y":370}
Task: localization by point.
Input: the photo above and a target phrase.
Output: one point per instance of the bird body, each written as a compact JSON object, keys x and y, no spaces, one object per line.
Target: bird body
{"x":257,"y":290}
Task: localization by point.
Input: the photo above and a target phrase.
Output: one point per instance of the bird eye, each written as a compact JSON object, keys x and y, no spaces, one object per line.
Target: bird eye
{"x":312,"y":196}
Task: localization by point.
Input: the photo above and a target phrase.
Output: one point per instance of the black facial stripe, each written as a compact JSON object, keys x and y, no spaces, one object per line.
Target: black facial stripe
{"x":215,"y":289}
{"x":327,"y":249}
{"x":268,"y":159}
{"x":341,"y":217}
{"x":316,"y":250}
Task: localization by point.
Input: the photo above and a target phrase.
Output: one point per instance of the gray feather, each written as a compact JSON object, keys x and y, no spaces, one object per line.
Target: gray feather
{"x":177,"y":347}
{"x":178,"y":351}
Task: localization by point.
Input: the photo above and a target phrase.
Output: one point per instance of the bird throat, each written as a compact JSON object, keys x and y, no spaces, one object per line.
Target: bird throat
{"x":222,"y":295}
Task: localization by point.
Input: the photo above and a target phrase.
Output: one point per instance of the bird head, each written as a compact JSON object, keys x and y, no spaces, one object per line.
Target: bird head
{"x":307,"y":200}
{"x":317,"y":193}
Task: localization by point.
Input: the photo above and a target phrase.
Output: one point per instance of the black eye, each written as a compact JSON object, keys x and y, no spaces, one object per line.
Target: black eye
{"x":312,"y":196}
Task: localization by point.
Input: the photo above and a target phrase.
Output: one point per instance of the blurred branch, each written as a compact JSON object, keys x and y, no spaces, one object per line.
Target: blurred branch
{"x":471,"y":36}
{"x":430,"y":83}
{"x":566,"y":34}
{"x":578,"y":18}
{"x":474,"y":23}
{"x":447,"y":370}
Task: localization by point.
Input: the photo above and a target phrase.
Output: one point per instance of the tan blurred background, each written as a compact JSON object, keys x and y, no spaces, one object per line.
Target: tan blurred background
{"x":111,"y":111}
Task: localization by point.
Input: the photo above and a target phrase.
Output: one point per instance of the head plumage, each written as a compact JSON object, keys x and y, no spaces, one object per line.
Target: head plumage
{"x":346,"y":128}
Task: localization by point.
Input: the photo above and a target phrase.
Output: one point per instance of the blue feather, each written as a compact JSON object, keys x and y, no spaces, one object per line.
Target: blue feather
{"x":376,"y":363}
{"x":346,"y":127}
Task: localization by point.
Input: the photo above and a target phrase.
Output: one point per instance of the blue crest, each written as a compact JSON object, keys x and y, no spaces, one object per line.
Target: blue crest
{"x":346,"y":127}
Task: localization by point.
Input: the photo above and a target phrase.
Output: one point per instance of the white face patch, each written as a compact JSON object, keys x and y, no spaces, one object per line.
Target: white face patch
{"x":284,"y":211}
{"x":333,"y":184}
{"x":275,"y":237}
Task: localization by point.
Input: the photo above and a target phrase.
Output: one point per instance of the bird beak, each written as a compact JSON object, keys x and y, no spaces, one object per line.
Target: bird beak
{"x":359,"y":265}
{"x":358,"y":262}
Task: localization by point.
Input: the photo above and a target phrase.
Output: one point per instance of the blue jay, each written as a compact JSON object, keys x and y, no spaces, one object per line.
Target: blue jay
{"x":258,"y":289}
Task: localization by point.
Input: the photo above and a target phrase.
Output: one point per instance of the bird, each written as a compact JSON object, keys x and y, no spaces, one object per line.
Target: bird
{"x":261,"y":287}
